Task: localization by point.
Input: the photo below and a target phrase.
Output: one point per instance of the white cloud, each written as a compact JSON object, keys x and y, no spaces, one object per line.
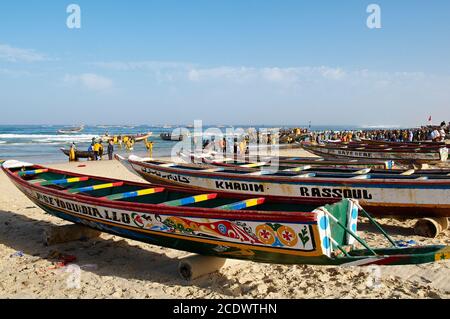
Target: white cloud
{"x":142,"y":65}
{"x":287,"y":75}
{"x":91,"y":81}
{"x":173,"y":71}
{"x":12,"y":54}
{"x":14,"y":73}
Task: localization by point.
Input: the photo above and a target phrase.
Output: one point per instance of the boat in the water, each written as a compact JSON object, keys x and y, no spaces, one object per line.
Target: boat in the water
{"x":135,"y":137}
{"x":80,"y":154}
{"x":214,"y":224}
{"x":171,"y":137}
{"x":393,"y":192}
{"x":408,"y":155}
{"x":71,"y":130}
{"x":215,"y":158}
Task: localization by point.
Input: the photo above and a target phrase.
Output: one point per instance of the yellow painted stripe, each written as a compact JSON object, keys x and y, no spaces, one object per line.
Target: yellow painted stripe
{"x":253,"y":164}
{"x":200,"y":198}
{"x":146,"y":191}
{"x":108,"y":185}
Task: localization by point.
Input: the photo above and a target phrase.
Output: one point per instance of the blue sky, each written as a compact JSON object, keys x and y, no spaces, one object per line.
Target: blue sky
{"x":246,"y":62}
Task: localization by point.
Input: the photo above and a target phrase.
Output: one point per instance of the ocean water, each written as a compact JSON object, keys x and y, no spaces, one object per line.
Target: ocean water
{"x":42,"y":143}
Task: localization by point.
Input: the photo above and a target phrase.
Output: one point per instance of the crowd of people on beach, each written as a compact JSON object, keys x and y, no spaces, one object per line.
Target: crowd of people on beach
{"x":96,"y":149}
{"x":240,"y":144}
{"x":424,"y":133}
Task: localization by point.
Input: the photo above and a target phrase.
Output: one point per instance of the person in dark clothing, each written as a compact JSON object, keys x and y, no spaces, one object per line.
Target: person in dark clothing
{"x":110,"y":150}
{"x":224,"y":146}
{"x":235,"y":147}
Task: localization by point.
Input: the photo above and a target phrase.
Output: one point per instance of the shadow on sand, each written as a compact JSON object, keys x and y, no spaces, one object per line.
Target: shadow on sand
{"x":113,"y":258}
{"x":389,"y":229}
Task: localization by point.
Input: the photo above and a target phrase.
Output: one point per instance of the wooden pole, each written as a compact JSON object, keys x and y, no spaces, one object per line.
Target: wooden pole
{"x":195,"y":266}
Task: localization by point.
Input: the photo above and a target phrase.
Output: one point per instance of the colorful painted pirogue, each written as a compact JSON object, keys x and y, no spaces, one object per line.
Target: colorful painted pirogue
{"x":215,"y":158}
{"x":417,"y":143}
{"x":408,"y":155}
{"x":215,"y":224}
{"x":405,"y":193}
{"x":135,"y":137}
{"x":381,"y":145}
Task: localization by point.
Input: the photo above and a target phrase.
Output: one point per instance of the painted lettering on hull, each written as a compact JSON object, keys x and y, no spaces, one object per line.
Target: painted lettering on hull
{"x":88,"y":210}
{"x":240,"y":186}
{"x":334,"y":193}
{"x":168,"y":176}
{"x":353,"y":153}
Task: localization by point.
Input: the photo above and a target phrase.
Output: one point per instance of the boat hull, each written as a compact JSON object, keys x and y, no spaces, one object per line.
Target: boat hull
{"x":271,"y":237}
{"x":290,"y":161}
{"x":80,"y":154}
{"x":172,"y":231}
{"x":410,"y":199}
{"x":403,"y":156}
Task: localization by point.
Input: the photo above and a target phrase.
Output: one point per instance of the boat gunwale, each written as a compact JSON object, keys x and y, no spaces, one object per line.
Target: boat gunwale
{"x":293,"y":179}
{"x":375,"y":150}
{"x":198,"y":212}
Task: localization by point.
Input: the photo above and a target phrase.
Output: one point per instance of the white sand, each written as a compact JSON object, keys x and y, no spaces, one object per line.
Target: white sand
{"x":113,"y":267}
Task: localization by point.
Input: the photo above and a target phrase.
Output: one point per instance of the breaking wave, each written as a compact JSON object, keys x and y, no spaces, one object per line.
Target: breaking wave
{"x":44,"y":139}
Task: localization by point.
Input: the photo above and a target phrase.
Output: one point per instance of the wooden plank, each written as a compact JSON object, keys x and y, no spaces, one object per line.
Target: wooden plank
{"x":250,"y":165}
{"x":361,"y":177}
{"x":217,"y":169}
{"x":33,"y":172}
{"x":167,"y":165}
{"x":37,"y":181}
{"x":297,"y":169}
{"x":363,"y":171}
{"x":243,"y":204}
{"x":305,"y":175}
{"x":137,"y":193}
{"x":65,"y":181}
{"x":94,"y":187}
{"x":258,"y":173}
{"x":190,"y":200}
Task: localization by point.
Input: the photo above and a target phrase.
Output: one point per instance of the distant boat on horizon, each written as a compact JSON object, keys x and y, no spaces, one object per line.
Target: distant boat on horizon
{"x":71,"y":130}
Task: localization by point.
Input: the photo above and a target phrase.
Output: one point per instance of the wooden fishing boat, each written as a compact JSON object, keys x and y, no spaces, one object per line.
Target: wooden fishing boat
{"x":136,"y":137}
{"x":71,"y":130}
{"x":376,"y":146}
{"x":417,"y":143}
{"x":141,"y":137}
{"x":171,"y":137}
{"x":214,"y":158}
{"x":80,"y":154}
{"x":214,"y":224}
{"x":395,"y":154}
{"x":404,"y":193}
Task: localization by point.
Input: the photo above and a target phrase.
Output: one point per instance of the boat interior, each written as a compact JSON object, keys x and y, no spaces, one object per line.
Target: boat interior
{"x":123,"y":191}
{"x":265,"y":169}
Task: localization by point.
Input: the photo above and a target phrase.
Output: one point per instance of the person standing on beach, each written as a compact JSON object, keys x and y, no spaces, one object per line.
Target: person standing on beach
{"x":97,"y":147}
{"x":149,"y":146}
{"x":72,"y":153}
{"x":110,"y":149}
{"x":100,"y":150}
{"x":235,"y":147}
{"x":223,"y":146}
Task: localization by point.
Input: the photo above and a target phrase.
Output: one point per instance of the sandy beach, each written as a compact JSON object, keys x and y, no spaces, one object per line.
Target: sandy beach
{"x":113,"y":267}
